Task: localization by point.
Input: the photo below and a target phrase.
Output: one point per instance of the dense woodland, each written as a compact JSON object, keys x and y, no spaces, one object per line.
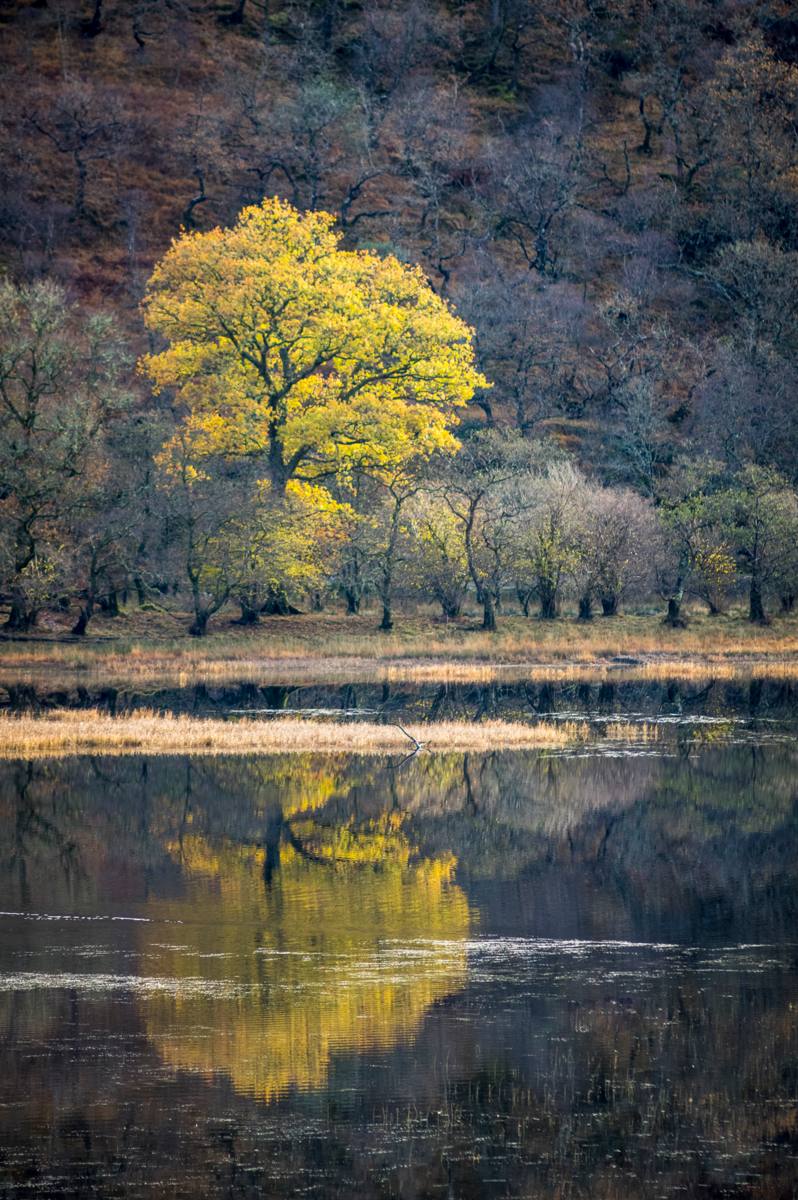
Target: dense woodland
{"x":606,"y":194}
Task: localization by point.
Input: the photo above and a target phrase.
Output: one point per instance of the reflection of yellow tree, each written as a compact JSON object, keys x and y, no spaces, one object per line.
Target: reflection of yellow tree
{"x":336,"y":955}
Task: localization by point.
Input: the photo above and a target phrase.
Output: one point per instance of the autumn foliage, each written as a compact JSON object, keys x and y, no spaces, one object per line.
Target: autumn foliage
{"x":306,"y":357}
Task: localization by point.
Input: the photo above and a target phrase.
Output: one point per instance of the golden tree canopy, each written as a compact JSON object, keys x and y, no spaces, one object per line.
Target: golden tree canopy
{"x":317,"y":359}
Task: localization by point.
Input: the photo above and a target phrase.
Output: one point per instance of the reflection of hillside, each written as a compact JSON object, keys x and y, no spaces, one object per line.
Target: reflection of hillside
{"x":662,"y":837}
{"x":314,"y":964}
{"x":503,"y":812}
{"x":687,"y":1078}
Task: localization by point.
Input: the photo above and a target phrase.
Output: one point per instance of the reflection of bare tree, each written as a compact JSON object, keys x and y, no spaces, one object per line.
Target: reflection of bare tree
{"x":35,"y":830}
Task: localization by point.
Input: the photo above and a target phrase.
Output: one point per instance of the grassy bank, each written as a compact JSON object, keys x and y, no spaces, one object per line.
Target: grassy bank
{"x":69,"y":732}
{"x":146,"y":647}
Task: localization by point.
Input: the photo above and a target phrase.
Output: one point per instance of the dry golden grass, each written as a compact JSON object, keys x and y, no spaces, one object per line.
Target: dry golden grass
{"x":65,"y":732}
{"x":143,"y":648}
{"x":633,"y":731}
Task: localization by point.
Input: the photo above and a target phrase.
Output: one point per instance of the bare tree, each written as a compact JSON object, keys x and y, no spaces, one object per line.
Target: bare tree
{"x":483,"y":493}
{"x":616,"y":533}
{"x":83,"y":126}
{"x":60,"y":388}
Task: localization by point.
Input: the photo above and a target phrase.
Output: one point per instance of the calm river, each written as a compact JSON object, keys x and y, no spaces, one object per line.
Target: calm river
{"x":565,"y":975}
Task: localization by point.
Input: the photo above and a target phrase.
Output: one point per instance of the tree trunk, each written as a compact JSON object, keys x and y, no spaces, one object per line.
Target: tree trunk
{"x":586,"y":607}
{"x":648,"y":127}
{"x":488,"y":612}
{"x":386,"y":575}
{"x":110,"y":604}
{"x":674,"y":616}
{"x":326,"y":24}
{"x":548,"y":601}
{"x":277,"y":604}
{"x":79,"y":207}
{"x":20,"y":618}
{"x":200,"y":626}
{"x":756,"y":609}
{"x":787,"y":603}
{"x":249,"y":611}
{"x":86,"y":614}
{"x":94,"y":25}
{"x":609,"y":605}
{"x":235,"y":16}
{"x":352,"y":602}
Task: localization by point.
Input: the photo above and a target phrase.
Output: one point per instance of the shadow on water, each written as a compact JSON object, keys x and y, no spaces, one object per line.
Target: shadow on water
{"x":479,"y":975}
{"x":673,"y":700}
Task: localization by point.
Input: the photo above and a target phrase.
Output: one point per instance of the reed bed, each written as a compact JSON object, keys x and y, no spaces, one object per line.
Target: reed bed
{"x":66,"y":732}
{"x":633,"y":731}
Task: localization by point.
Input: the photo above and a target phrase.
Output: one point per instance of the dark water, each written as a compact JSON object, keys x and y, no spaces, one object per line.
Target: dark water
{"x":507,"y":975}
{"x":673,"y":699}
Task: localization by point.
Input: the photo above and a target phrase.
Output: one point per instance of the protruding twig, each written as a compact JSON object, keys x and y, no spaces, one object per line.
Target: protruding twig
{"x":418,"y":745}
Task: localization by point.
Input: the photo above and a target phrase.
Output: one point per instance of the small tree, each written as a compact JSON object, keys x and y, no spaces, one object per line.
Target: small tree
{"x":483,"y":494}
{"x":100,"y":562}
{"x":616,"y":530}
{"x":438,"y":555}
{"x":689,"y":514}
{"x":759,"y":514}
{"x":353,"y":575}
{"x":715,"y":573}
{"x":281,"y":546}
{"x":786,"y":582}
{"x":83,"y":127}
{"x":60,"y":389}
{"x":380,"y":543}
{"x":200,"y":531}
{"x":398,"y":488}
{"x":547,"y":547}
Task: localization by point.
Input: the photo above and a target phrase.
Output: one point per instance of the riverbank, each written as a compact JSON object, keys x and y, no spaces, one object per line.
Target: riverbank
{"x":141,"y":647}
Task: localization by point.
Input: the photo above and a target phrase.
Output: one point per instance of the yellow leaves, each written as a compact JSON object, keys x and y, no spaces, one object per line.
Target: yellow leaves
{"x":289,"y":538}
{"x":339,"y":894}
{"x":174,"y":465}
{"x":715,"y":563}
{"x":281,"y":342}
{"x":317,"y":503}
{"x":379,"y":843}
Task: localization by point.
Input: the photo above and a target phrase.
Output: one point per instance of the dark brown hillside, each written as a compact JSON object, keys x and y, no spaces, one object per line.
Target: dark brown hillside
{"x":525,"y":136}
{"x":579,"y":145}
{"x":561,"y":149}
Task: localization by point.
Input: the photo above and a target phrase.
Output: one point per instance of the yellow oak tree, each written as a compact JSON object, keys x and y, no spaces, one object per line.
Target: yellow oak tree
{"x":314,"y":359}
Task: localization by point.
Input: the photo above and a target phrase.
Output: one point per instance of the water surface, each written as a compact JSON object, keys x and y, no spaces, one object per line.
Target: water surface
{"x":506,"y":975}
